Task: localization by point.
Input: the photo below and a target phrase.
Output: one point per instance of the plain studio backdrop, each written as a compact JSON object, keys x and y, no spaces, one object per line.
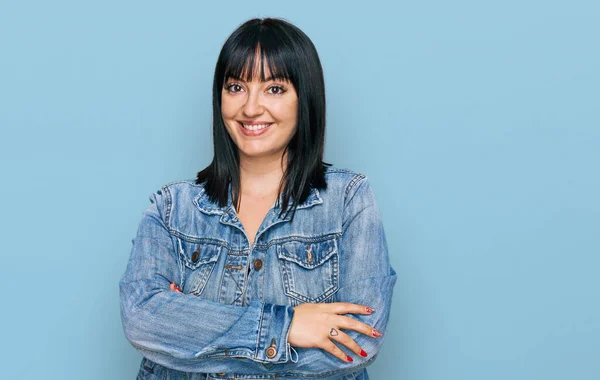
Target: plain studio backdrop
{"x":476,"y":122}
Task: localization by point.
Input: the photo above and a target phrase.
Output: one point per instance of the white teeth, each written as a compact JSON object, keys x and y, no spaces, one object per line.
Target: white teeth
{"x":255,"y":127}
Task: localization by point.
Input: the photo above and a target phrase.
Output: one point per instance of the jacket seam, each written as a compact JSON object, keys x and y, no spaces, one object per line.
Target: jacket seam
{"x":259,"y":333}
{"x":341,"y":170}
{"x":198,"y":240}
{"x":187,"y":181}
{"x":356,"y":179}
{"x":168,"y":206}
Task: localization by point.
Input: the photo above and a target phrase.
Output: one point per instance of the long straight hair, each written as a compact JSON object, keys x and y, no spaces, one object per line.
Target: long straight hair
{"x":291,"y":56}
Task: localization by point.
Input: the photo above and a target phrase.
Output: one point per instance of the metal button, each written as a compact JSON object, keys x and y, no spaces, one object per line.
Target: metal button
{"x":221,"y":374}
{"x":195,"y":256}
{"x":257,"y":264}
{"x":272,"y":349}
{"x":271,"y":352}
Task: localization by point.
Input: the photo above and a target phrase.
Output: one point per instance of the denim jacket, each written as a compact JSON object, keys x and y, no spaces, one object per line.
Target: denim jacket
{"x":233,"y":315}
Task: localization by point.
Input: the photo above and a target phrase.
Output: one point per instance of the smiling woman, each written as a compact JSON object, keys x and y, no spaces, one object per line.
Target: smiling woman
{"x":267,"y":74}
{"x":270,"y":263}
{"x":256,"y":107}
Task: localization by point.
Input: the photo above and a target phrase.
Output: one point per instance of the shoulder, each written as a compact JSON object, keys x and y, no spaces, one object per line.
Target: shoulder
{"x":175,"y":192}
{"x":182,"y":187}
{"x":345,"y":179}
{"x":334,"y":171}
{"x":182,"y":183}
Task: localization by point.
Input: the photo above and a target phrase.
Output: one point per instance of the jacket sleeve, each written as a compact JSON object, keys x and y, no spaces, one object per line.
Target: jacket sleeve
{"x":369,"y":280}
{"x":188,"y":333}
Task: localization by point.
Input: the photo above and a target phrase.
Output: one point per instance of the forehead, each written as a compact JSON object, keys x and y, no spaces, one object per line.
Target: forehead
{"x":260,"y":70}
{"x":255,"y":66}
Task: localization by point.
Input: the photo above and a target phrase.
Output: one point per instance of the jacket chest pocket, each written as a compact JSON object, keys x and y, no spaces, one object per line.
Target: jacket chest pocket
{"x":199,"y":260}
{"x":309,"y":270}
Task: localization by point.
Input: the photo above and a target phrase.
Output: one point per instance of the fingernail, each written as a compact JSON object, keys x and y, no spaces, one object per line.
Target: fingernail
{"x":348,"y":358}
{"x":174,"y":287}
{"x":369,"y":310}
{"x":363,"y":353}
{"x":376,"y":333}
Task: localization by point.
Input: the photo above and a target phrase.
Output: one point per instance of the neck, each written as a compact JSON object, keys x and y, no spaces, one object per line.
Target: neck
{"x":260,"y":176}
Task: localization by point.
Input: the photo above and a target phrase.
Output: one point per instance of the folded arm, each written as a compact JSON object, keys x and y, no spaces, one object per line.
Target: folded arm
{"x":188,"y":333}
{"x":369,"y":280}
{"x":192,"y":334}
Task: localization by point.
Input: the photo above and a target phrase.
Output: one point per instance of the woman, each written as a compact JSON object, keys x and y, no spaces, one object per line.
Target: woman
{"x":247,"y":271}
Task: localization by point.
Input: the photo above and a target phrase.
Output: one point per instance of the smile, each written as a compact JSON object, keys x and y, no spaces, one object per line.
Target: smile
{"x":255,"y":127}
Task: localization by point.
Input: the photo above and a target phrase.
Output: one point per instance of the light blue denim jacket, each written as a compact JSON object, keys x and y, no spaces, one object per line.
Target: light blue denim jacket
{"x":233,"y":316}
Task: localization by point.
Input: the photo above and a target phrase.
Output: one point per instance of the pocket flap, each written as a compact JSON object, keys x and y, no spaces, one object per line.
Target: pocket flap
{"x":307,"y":254}
{"x":196,"y":254}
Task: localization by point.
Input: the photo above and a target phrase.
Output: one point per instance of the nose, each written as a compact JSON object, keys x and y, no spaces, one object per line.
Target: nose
{"x":253,"y":106}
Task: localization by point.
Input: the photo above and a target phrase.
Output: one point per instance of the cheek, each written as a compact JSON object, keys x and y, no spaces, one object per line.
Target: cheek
{"x":228,"y":108}
{"x":287,"y":111}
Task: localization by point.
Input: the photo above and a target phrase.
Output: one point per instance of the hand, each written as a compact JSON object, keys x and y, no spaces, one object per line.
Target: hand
{"x":317,"y":324}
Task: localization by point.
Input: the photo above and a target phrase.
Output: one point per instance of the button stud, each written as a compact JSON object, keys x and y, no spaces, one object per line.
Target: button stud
{"x":272,"y":349}
{"x":271,"y":352}
{"x":195,"y":256}
{"x":258,"y":264}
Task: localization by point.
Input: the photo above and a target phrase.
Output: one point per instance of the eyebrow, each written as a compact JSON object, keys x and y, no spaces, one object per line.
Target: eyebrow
{"x":270,"y":78}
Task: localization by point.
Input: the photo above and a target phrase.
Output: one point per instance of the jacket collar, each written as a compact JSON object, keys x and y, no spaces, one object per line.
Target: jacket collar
{"x":204,"y":204}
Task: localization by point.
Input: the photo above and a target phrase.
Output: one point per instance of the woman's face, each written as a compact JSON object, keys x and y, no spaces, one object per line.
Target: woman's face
{"x":259,"y":116}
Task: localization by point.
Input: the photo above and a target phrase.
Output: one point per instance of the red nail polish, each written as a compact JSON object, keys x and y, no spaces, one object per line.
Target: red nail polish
{"x":376,"y":333}
{"x":348,"y":358}
{"x":369,"y":310}
{"x":173,"y":286}
{"x":363,"y":353}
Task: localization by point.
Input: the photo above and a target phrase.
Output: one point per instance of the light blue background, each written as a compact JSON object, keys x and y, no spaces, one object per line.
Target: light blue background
{"x":476,"y":122}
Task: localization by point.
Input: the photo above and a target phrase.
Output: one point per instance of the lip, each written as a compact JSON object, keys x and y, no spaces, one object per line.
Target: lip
{"x":257,"y":122}
{"x":247,"y":132}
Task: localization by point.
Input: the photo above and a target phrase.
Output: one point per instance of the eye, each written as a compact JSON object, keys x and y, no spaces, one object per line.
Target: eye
{"x":233,"y":87}
{"x":276,"y":90}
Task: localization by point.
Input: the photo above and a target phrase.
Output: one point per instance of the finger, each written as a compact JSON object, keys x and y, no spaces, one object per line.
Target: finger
{"x":334,"y":350}
{"x":173,"y":286}
{"x":349,"y":308}
{"x":349,"y":323}
{"x":343,"y":338}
